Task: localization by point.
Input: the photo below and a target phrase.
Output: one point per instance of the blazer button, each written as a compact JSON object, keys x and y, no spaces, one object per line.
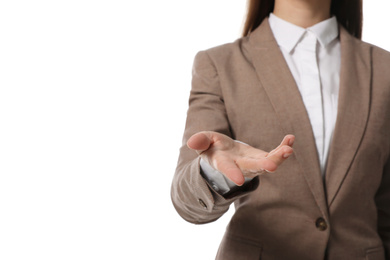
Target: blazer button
{"x":201,"y":202}
{"x":321,"y":224}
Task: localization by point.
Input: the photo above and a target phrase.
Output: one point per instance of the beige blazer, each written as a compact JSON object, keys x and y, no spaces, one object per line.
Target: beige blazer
{"x":245,"y":90}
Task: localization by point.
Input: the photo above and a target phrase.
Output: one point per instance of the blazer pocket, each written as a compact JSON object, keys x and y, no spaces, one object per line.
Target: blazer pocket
{"x":376,"y":253}
{"x":233,"y":248}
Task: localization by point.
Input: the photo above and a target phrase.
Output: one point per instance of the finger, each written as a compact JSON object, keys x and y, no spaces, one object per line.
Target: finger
{"x":199,"y":142}
{"x":290,"y":140}
{"x":280,"y":154}
{"x":230,"y":169}
{"x":287,"y":140}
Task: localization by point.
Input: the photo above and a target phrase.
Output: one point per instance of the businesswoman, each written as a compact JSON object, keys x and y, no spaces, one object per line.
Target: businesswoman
{"x":291,"y":122}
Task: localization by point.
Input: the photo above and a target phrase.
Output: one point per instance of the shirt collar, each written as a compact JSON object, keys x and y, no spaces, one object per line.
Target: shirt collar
{"x":287,"y":35}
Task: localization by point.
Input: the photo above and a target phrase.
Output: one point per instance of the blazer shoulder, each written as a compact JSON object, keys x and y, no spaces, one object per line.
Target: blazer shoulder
{"x":224,"y":52}
{"x":378,"y":54}
{"x":380,"y":60}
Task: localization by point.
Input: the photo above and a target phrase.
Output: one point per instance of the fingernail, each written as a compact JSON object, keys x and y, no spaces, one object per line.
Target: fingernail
{"x":286,"y":155}
{"x":291,"y":142}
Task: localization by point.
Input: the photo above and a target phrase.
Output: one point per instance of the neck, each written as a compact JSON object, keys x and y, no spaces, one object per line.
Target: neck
{"x":303,"y":13}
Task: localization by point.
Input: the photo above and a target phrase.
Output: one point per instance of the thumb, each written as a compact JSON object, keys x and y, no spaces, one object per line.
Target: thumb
{"x":199,"y":142}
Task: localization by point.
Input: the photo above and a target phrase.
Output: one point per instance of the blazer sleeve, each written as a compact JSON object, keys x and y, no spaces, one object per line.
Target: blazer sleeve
{"x":383,"y":205}
{"x":192,"y":196}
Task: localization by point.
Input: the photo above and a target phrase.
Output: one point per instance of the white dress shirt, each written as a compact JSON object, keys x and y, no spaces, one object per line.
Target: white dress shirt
{"x":313,"y":57}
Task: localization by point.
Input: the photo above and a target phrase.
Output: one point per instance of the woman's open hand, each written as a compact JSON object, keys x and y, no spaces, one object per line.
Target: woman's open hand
{"x":237,"y":160}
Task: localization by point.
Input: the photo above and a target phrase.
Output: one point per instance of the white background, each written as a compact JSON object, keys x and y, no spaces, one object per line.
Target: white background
{"x":93,"y":99}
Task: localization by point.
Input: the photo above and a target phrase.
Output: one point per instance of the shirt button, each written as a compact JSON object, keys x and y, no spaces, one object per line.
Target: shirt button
{"x":201,"y":202}
{"x":321,"y":224}
{"x":215,"y":187}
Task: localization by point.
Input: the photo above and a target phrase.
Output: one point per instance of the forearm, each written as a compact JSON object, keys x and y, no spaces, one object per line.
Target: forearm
{"x":193,"y":198}
{"x":196,"y":201}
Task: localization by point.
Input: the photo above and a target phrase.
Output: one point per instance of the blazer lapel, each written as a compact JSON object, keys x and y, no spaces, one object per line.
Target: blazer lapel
{"x":283,"y":93}
{"x":353,"y":110}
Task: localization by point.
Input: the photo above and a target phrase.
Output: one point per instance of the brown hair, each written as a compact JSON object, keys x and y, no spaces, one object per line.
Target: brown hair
{"x":349,"y":14}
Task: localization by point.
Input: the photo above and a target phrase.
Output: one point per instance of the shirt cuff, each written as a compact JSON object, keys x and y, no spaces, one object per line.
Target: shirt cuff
{"x":217,"y":180}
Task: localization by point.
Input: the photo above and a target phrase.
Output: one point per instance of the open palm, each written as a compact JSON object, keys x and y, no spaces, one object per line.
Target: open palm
{"x":237,"y":160}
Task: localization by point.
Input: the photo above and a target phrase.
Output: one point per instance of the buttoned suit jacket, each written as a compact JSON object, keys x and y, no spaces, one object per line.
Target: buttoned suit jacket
{"x":246,"y":91}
